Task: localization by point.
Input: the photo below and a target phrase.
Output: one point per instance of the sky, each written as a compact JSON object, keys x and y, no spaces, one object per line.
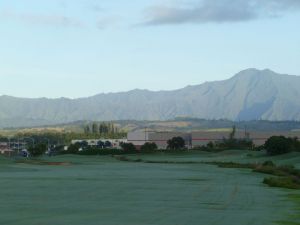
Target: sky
{"x":79,"y":48}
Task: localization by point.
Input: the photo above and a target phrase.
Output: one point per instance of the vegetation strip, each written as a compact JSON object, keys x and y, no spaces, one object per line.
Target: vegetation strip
{"x":126,"y":159}
{"x":45,"y":163}
{"x":286,"y":176}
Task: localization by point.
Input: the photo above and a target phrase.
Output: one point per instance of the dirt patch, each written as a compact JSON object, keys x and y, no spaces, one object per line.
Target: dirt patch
{"x":44,"y":163}
{"x":57,"y":163}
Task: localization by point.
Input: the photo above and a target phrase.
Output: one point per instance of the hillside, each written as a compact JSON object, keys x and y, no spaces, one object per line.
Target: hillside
{"x":249,"y":95}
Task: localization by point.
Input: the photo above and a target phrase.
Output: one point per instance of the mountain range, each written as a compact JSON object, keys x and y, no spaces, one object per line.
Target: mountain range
{"x":249,"y":95}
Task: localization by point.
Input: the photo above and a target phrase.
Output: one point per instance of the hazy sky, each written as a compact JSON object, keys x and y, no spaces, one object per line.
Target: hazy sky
{"x":76,"y":48}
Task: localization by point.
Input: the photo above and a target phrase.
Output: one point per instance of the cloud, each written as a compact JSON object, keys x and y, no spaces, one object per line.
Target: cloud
{"x":41,"y":19}
{"x":96,"y":8}
{"x":219,"y":11}
{"x":107,"y":22}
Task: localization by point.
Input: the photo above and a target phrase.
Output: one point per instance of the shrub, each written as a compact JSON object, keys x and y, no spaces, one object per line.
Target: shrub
{"x":268,"y":163}
{"x":277,"y":145}
{"x":128,"y":147}
{"x":258,"y":148}
{"x":37,"y":150}
{"x":176,"y":143}
{"x":149,"y":147}
{"x":210,"y":145}
{"x":284,"y":182}
{"x":73,"y":148}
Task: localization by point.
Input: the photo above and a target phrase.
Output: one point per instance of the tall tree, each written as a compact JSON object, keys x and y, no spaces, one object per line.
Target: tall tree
{"x":176,"y":143}
{"x":87,"y":129}
{"x":95,"y":128}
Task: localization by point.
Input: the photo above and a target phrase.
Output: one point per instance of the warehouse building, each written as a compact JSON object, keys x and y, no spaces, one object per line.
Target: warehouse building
{"x":201,"y":138}
{"x":140,"y":137}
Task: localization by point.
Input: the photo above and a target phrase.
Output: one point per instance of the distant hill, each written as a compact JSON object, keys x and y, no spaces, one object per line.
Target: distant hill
{"x":249,"y":95}
{"x":192,"y":124}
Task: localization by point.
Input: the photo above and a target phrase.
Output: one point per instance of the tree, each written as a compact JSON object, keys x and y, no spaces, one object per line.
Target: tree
{"x":210,"y":145}
{"x":107,"y":144}
{"x":87,"y":129}
{"x":296,"y":144}
{"x":232,"y":133}
{"x":277,"y":145}
{"x":176,"y":143}
{"x":233,"y":143}
{"x":128,"y":147}
{"x":95,"y":128}
{"x":74,"y":148}
{"x":149,"y":146}
{"x":37,"y":150}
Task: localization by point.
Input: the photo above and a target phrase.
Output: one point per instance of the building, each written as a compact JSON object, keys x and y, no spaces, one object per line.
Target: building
{"x":5,"y":149}
{"x":140,"y":137}
{"x":115,"y":143}
{"x":260,"y":137}
{"x":201,"y":138}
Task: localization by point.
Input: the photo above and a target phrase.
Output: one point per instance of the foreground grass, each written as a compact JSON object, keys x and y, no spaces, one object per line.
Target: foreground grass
{"x":154,"y":189}
{"x":105,"y":191}
{"x":285,"y":176}
{"x":295,"y":198}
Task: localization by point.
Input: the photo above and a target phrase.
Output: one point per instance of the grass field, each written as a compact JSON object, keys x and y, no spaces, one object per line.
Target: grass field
{"x":102,"y":190}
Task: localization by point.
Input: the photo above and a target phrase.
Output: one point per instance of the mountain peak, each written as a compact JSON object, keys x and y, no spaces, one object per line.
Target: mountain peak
{"x":256,"y":71}
{"x":253,"y":72}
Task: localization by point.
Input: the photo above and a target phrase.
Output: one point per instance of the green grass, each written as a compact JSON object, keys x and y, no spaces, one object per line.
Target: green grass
{"x":96,"y":190}
{"x":294,"y":214}
{"x":233,"y":165}
{"x":283,"y":182}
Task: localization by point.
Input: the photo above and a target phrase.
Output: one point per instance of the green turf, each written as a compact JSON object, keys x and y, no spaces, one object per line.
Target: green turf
{"x":104,"y":191}
{"x":239,"y":156}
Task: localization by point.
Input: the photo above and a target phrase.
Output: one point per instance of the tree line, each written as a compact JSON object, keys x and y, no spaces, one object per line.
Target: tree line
{"x":104,"y":129}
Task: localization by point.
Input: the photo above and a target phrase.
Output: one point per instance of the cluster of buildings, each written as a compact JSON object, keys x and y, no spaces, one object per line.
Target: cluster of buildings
{"x":192,"y":139}
{"x":113,"y":143}
{"x":200,"y":138}
{"x":140,"y":137}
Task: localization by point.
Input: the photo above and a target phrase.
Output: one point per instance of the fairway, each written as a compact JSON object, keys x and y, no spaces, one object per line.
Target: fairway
{"x":104,"y":191}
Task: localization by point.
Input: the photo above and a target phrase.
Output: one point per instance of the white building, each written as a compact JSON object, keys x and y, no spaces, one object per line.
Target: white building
{"x":5,"y":149}
{"x":94,"y":142}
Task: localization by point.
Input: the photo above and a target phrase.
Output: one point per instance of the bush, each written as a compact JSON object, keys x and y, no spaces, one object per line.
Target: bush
{"x":128,"y":147}
{"x":73,"y":148}
{"x":210,"y":145}
{"x":258,"y":148}
{"x":149,"y":147}
{"x":283,"y":182}
{"x":37,"y":150}
{"x":277,"y":145}
{"x":176,"y":143}
{"x":268,"y":163}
